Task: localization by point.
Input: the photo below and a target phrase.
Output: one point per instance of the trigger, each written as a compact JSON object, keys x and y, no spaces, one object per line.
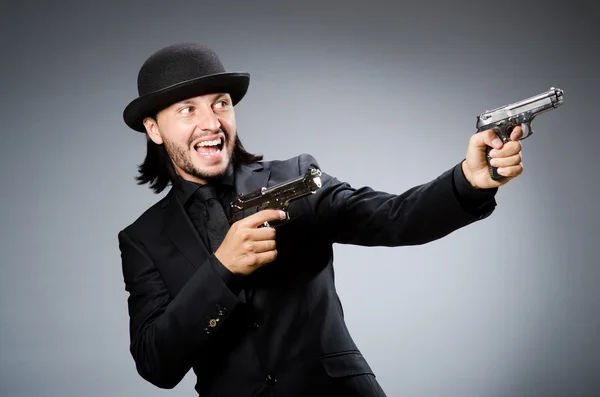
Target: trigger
{"x":527,"y":130}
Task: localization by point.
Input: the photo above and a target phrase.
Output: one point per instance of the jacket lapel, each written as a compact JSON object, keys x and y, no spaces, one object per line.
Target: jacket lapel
{"x":251,"y":177}
{"x":183,"y":234}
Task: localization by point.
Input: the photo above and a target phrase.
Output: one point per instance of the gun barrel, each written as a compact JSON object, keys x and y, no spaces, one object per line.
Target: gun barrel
{"x":305,"y":183}
{"x":278,"y":196}
{"x":525,"y":109}
{"x":554,"y":95}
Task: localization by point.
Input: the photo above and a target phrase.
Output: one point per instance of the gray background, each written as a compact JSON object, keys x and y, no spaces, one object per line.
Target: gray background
{"x":506,"y":307}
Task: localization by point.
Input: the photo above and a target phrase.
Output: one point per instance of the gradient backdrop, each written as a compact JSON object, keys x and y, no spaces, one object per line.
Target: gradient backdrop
{"x":383,"y":94}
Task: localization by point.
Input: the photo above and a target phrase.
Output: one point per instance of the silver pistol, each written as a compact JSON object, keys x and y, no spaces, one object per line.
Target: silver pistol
{"x":276,"y":197}
{"x":504,"y":119}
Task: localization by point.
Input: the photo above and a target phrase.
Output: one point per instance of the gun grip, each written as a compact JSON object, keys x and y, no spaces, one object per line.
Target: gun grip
{"x":503,"y":132}
{"x":493,"y":170}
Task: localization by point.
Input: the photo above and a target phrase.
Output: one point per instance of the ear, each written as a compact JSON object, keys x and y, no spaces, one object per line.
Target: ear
{"x":152,"y":130}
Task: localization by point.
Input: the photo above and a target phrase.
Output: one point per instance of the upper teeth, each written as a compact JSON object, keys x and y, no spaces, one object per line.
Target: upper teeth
{"x":210,"y":143}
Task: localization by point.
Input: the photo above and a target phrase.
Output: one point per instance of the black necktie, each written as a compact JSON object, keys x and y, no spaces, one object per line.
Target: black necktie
{"x":217,"y":224}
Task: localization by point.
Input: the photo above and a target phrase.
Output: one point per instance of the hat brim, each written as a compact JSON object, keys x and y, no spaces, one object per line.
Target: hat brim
{"x":233,"y":83}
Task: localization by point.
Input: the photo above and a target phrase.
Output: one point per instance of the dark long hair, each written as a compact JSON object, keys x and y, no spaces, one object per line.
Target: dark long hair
{"x":157,"y":169}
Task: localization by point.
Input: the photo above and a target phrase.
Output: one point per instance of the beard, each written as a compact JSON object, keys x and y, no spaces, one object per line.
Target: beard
{"x":181,"y":156}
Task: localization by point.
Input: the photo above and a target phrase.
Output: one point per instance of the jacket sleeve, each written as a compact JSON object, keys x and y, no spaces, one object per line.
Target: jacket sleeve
{"x":168,"y":333}
{"x":364,"y":216}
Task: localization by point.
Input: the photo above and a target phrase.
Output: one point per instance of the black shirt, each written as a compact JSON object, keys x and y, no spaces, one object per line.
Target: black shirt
{"x":184,"y":190}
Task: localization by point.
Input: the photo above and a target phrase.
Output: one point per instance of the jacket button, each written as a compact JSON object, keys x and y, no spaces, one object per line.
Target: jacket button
{"x":212,"y":323}
{"x":270,"y":380}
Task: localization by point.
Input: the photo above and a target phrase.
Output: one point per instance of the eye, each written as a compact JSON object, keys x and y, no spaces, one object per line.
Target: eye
{"x":222,"y":104}
{"x":186,"y":110}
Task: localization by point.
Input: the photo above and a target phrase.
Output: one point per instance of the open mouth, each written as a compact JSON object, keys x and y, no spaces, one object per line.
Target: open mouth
{"x":208,"y":148}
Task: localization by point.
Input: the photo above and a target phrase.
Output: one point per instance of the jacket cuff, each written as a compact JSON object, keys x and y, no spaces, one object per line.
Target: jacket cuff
{"x":471,"y":199}
{"x":233,"y":281}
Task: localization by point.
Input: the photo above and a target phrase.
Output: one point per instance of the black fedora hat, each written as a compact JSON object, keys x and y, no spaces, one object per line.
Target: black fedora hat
{"x":178,"y":72}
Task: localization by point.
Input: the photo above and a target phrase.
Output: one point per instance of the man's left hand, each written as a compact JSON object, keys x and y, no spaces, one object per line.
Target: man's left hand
{"x":505,"y":156}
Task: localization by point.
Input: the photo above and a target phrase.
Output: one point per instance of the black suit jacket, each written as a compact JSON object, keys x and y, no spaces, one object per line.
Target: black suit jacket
{"x":281,"y":331}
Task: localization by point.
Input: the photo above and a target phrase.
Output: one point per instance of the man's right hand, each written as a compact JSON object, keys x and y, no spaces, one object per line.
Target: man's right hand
{"x":246,"y":247}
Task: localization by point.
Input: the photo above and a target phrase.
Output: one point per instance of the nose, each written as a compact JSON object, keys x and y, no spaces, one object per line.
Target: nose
{"x":208,"y":120}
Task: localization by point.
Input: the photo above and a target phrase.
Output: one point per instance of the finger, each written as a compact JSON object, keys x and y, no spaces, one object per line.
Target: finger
{"x":263,"y":216}
{"x":486,"y":138}
{"x":516,"y":133}
{"x":512,"y":171}
{"x":264,"y":246}
{"x":515,"y":159}
{"x":509,"y":149}
{"x":262,"y":233}
{"x":263,"y":258}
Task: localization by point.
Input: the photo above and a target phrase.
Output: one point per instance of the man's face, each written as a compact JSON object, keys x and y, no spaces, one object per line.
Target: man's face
{"x":198,"y":134}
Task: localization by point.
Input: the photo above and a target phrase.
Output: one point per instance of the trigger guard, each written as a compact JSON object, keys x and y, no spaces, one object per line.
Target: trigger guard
{"x":264,"y":224}
{"x":527,"y":130}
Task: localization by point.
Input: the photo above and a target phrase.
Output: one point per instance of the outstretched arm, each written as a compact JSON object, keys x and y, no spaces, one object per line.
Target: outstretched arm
{"x":460,"y":196}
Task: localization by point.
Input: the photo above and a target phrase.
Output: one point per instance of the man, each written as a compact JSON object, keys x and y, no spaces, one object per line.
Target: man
{"x":254,"y":310}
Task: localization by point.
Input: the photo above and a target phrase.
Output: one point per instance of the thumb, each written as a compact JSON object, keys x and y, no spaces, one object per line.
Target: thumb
{"x":486,"y":138}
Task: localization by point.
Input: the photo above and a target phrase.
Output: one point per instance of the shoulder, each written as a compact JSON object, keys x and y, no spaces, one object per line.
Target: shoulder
{"x":299,"y":163}
{"x":151,"y":220}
